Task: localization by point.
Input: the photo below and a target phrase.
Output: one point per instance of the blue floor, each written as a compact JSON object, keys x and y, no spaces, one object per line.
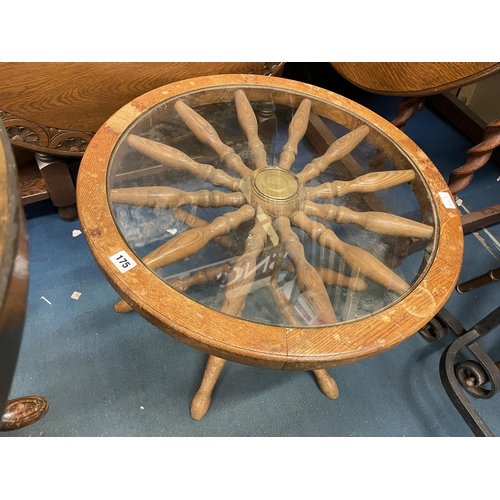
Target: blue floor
{"x":106,"y":374}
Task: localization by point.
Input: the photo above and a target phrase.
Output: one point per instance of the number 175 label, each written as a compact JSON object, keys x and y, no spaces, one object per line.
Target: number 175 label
{"x":123,"y":261}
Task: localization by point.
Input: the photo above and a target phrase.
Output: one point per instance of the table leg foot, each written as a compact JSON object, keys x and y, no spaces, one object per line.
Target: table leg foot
{"x":327,"y":384}
{"x":69,"y":213}
{"x":202,"y":399}
{"x":22,"y":412}
{"x":122,"y":307}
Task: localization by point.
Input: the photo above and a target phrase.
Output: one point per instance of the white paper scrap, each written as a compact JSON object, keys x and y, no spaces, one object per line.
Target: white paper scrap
{"x":76,"y":232}
{"x":42,"y":297}
{"x":76,"y":295}
{"x":172,"y":231}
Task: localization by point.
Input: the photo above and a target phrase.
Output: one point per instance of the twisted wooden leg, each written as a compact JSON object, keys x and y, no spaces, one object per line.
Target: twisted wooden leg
{"x":475,"y":158}
{"x":202,"y":399}
{"x":407,"y":107}
{"x":327,"y":384}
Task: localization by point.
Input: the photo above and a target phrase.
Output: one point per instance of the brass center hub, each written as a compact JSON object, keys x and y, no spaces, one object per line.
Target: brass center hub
{"x":276,"y":184}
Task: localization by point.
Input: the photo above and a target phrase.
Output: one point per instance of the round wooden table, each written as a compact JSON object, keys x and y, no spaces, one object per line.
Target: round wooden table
{"x":236,"y":214}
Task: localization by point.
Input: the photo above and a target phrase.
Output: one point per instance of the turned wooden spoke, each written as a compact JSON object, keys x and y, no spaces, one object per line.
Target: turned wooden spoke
{"x":242,"y":274}
{"x":192,"y":221}
{"x":174,"y":158}
{"x":207,"y":134}
{"x":249,"y":125}
{"x":331,"y":277}
{"x":283,"y":305}
{"x":309,"y":282}
{"x":367,"y":183}
{"x":355,"y":257}
{"x":296,"y":131}
{"x":166,"y":197}
{"x":193,"y":240}
{"x":206,"y":275}
{"x":182,"y":284}
{"x":378,"y":222}
{"x":340,"y":148}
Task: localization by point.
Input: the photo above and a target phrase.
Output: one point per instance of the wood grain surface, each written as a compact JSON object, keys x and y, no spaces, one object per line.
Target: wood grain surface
{"x":83,"y":95}
{"x":414,"y":78}
{"x":229,"y":337}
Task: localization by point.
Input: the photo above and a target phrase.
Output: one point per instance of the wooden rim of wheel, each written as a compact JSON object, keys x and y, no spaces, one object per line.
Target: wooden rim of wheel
{"x":254,"y":343}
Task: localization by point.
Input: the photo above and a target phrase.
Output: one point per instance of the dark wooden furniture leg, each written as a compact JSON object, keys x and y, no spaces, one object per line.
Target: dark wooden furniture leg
{"x":475,"y":158}
{"x":60,"y":185}
{"x":407,"y":107}
{"x":14,"y":270}
{"x":19,"y":412}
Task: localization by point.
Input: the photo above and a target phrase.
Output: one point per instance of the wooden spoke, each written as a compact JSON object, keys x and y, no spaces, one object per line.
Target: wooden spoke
{"x":182,"y":284}
{"x":309,"y":282}
{"x":283,"y":305}
{"x":296,"y":131}
{"x":193,"y":240}
{"x":378,"y":222}
{"x":340,"y":148}
{"x":355,"y":257}
{"x":206,"y":275}
{"x":174,"y":158}
{"x":192,"y":221}
{"x":242,"y":274}
{"x":207,"y":134}
{"x":330,"y":277}
{"x":249,"y":125}
{"x":367,"y":183}
{"x":167,"y":197}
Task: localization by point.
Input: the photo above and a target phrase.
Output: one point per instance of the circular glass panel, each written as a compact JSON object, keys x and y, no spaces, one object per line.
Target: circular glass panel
{"x":272,"y":206}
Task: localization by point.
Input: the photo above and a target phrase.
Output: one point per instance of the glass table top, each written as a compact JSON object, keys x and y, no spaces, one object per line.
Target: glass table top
{"x":228,"y":195}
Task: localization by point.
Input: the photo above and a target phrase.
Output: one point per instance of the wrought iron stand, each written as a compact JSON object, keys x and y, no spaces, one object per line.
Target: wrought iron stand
{"x":479,"y":377}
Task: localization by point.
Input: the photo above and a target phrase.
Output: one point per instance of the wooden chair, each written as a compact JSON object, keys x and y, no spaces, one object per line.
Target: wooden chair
{"x":52,"y":110}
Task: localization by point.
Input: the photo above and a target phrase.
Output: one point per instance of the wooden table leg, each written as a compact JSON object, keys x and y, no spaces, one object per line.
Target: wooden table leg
{"x":55,"y":173}
{"x":202,"y":399}
{"x":327,"y":384}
